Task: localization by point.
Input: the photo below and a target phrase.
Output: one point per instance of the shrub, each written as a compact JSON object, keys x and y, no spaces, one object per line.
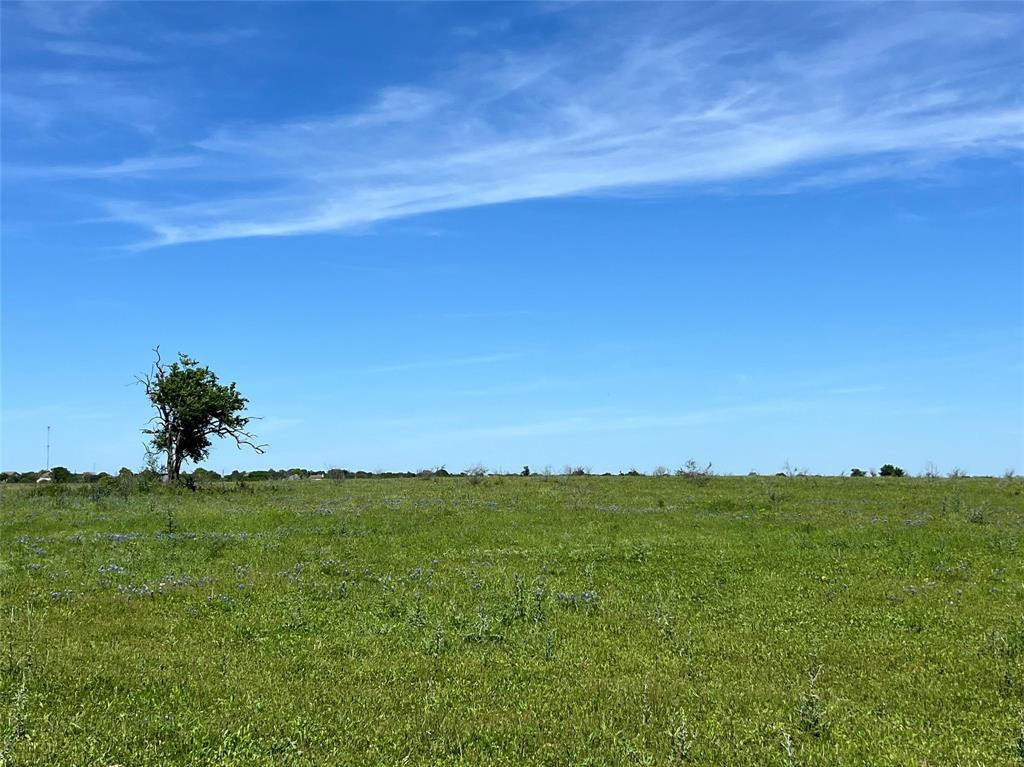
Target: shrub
{"x":199,"y":475}
{"x":60,"y":474}
{"x":857,"y":473}
{"x":476,"y":473}
{"x":692,"y":471}
{"x":888,"y":470}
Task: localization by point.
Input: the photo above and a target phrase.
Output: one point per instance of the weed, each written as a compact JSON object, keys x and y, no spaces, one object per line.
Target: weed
{"x":549,"y":645}
{"x":519,"y":598}
{"x":952,"y":503}
{"x":786,"y":744}
{"x":810,"y":711}
{"x":681,"y":737}
{"x":1020,"y":736}
{"x":438,"y":640}
{"x":418,"y":618}
{"x":538,"y":613}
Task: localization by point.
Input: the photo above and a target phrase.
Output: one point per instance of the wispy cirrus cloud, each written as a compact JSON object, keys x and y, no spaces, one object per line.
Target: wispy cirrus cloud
{"x":61,"y":18}
{"x":444,"y":362}
{"x":205,"y":37}
{"x":860,"y":93}
{"x":845,"y":390}
{"x":137,"y":167}
{"x":60,"y":102}
{"x":93,"y":50}
{"x":603,"y":421}
{"x":53,"y":413}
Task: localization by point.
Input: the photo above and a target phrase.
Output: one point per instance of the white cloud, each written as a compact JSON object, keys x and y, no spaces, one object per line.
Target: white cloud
{"x":862,"y":93}
{"x":265,"y":426}
{"x":61,"y":18}
{"x":98,"y":51}
{"x":82,"y":101}
{"x":445,"y":362}
{"x":208,"y":37}
{"x":581,"y":423}
{"x":128,"y":167}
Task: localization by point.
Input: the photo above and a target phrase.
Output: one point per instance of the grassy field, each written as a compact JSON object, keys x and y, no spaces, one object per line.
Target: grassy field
{"x":518,"y":621}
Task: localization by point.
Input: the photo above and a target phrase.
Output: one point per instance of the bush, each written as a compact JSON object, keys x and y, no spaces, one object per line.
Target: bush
{"x":692,"y":471}
{"x":476,"y":473}
{"x":60,"y":474}
{"x":858,"y":473}
{"x":125,"y":485}
{"x":888,"y":470}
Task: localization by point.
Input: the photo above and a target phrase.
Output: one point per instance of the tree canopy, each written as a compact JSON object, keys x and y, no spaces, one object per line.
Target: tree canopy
{"x":191,"y":407}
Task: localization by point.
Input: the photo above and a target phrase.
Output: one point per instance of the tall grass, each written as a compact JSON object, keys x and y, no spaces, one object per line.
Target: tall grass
{"x":516,"y":621}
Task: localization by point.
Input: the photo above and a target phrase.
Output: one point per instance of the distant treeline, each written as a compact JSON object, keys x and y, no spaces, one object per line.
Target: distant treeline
{"x":63,"y":475}
{"x":60,"y":474}
{"x":691,"y":470}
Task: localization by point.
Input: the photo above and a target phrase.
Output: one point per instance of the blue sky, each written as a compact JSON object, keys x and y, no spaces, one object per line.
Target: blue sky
{"x":612,"y":235}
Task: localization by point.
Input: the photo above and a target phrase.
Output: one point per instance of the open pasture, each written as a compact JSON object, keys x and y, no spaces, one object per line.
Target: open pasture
{"x":515,"y":621}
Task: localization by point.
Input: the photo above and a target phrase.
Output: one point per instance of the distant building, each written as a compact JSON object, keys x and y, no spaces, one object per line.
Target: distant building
{"x":45,"y":478}
{"x":319,"y":475}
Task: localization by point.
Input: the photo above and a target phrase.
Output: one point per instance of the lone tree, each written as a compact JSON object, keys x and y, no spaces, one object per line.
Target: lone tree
{"x":191,"y":407}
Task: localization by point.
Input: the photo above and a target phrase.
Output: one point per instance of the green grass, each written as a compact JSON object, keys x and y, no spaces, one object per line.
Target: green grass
{"x":604,"y":621}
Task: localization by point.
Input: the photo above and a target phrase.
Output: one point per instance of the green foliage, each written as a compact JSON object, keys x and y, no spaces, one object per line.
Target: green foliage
{"x":205,"y":475}
{"x":61,"y":474}
{"x":191,"y":407}
{"x":888,"y":470}
{"x":746,"y":621}
{"x":693,"y":472}
{"x":858,"y":473}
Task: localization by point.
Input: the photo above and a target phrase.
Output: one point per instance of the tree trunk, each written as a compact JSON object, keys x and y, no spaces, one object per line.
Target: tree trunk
{"x":172,"y":467}
{"x":179,"y":459}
